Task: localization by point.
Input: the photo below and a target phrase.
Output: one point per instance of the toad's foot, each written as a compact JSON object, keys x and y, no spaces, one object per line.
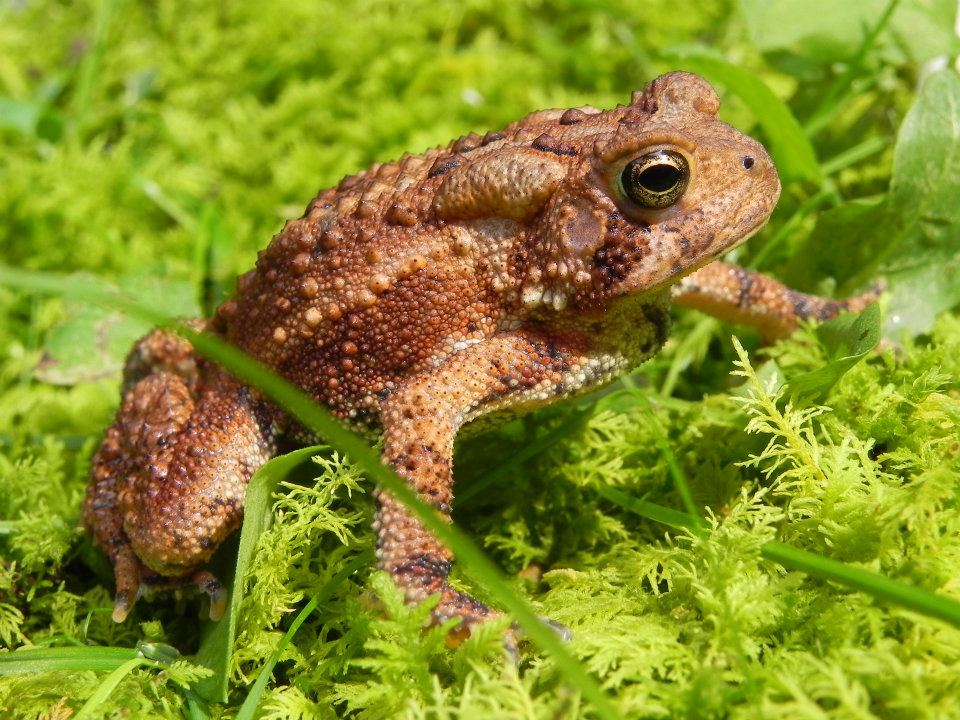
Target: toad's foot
{"x":135,"y":580}
{"x":454,"y":604}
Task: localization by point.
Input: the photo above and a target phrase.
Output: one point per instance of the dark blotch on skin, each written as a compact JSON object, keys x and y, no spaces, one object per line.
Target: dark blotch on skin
{"x":806,"y":309}
{"x":745,"y":280}
{"x":548,"y":143}
{"x":660,"y":319}
{"x":800,"y":305}
{"x":425,"y":565}
{"x":443,"y":165}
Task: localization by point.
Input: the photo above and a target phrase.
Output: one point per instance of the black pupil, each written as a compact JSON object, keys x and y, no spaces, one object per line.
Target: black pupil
{"x":660,"y":178}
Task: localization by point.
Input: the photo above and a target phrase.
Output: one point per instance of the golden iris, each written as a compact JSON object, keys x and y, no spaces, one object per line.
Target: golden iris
{"x":656,"y":180}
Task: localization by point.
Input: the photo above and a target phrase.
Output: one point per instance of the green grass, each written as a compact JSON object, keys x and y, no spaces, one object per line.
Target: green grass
{"x":159,"y":146}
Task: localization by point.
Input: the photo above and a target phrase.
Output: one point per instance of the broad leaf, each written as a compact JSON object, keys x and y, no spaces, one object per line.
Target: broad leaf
{"x":921,"y":29}
{"x":93,"y":340}
{"x":911,"y":238}
{"x":923,"y":265}
{"x":846,"y":339}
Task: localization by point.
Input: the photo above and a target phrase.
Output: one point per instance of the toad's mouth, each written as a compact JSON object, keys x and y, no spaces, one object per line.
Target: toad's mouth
{"x":742,"y":236}
{"x":717,"y":250}
{"x":761,"y":224}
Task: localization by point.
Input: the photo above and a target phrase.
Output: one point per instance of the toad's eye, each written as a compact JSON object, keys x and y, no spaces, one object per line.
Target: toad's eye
{"x":657,"y":179}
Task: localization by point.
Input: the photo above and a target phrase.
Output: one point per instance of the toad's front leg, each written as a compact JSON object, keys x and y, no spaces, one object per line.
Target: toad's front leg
{"x":739,"y":295}
{"x":421,"y":419}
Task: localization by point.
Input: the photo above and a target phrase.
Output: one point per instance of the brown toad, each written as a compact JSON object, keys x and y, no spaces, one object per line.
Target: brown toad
{"x":494,"y":275}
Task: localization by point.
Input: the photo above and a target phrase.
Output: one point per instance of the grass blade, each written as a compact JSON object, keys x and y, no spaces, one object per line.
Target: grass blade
{"x":39,"y":660}
{"x":217,"y":645}
{"x":880,"y":587}
{"x":897,"y":593}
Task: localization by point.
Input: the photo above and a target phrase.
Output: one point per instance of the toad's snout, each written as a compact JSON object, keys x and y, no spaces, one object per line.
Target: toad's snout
{"x":762,"y":188}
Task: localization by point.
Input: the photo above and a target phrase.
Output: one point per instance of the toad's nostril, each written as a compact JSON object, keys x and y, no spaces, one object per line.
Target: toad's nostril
{"x":747,"y":162}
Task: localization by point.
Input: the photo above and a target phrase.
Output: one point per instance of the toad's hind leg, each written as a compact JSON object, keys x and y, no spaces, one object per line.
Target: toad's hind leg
{"x":169,"y":479}
{"x":737,"y":294}
{"x":420,"y":421}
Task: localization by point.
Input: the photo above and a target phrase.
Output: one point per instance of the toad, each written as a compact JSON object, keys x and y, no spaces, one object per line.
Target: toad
{"x":486,"y":278}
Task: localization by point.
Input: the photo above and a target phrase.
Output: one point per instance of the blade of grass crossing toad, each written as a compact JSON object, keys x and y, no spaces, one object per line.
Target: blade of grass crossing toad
{"x":474,"y":562}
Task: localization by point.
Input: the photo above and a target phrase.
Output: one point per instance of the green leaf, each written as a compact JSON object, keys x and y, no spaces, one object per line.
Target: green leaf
{"x":38,"y":660}
{"x":922,"y":262}
{"x":923,"y":29}
{"x":216,"y":645}
{"x":846,"y":339}
{"x":911,"y":237}
{"x":788,"y":144}
{"x":93,"y":340}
